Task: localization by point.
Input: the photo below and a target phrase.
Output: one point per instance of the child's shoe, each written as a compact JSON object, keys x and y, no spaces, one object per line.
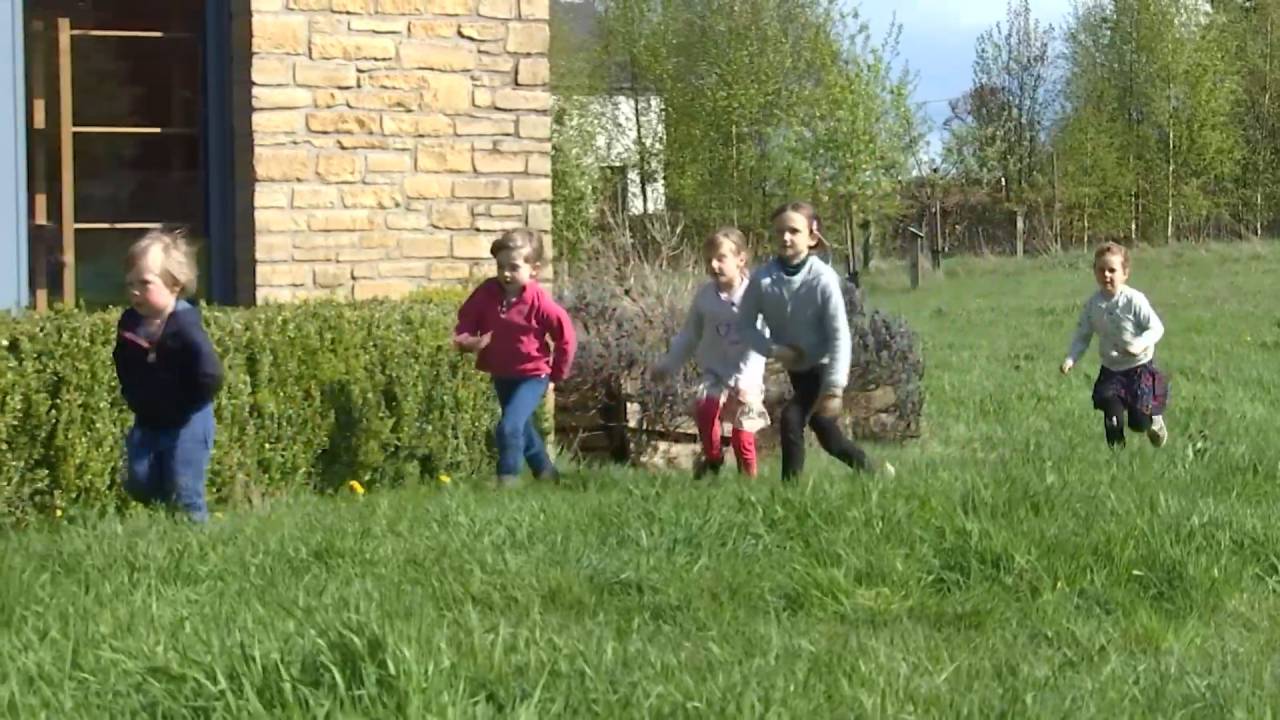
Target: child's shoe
{"x":552,"y":475}
{"x":706,"y":467}
{"x":508,"y":482}
{"x":1158,"y":434}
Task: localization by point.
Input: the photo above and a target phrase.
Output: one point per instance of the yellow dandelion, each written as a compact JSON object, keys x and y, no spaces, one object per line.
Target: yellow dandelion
{"x":445,"y":479}
{"x":218,"y":515}
{"x":355,"y":487}
{"x":57,"y":512}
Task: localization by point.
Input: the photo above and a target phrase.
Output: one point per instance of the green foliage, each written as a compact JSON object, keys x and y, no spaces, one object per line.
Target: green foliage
{"x":762,"y":102}
{"x":1147,"y":140}
{"x":316,"y":395}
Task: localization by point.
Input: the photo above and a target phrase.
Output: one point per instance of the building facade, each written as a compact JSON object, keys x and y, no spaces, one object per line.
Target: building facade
{"x":335,"y":148}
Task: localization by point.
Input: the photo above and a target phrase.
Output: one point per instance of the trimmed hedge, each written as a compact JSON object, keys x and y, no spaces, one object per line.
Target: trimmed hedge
{"x":316,"y":394}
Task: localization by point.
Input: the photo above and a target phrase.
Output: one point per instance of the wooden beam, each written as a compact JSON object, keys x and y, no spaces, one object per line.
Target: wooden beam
{"x":132,"y":34}
{"x":131,"y":130}
{"x":118,"y":226}
{"x":38,"y":149}
{"x":67,"y":148}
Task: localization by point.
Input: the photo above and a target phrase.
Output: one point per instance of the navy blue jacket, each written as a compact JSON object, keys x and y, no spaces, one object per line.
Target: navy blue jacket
{"x":165,"y":387}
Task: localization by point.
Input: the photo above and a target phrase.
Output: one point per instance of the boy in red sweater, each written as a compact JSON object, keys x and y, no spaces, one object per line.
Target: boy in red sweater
{"x":506,"y":322}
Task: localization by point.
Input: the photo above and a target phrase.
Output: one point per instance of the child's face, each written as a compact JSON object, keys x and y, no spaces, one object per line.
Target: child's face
{"x":725,"y":265}
{"x":514,"y":270}
{"x":149,"y":293}
{"x":1111,"y":274}
{"x":795,"y":237}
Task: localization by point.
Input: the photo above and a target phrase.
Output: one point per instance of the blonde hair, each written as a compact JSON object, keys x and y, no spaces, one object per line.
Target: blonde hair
{"x":530,"y":241}
{"x":177,"y":257}
{"x":726,"y":236}
{"x":1110,"y":248}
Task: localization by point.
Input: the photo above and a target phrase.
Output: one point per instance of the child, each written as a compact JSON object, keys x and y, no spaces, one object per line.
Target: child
{"x":506,"y":322}
{"x":803,"y":307}
{"x":1128,"y":330}
{"x":169,"y":374}
{"x":711,"y":329}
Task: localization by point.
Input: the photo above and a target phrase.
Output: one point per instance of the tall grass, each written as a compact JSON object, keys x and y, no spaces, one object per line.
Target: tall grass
{"x":1015,"y":568}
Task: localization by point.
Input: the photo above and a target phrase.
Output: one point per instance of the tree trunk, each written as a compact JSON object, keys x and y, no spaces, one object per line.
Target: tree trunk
{"x":1057,"y":209}
{"x":937,"y":235}
{"x":642,"y":154}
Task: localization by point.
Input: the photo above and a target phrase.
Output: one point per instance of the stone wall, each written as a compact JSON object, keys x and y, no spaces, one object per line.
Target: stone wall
{"x":394,"y":140}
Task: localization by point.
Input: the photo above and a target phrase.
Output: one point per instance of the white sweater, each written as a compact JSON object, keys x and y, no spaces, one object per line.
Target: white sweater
{"x":711,"y":335}
{"x":1123,"y":323}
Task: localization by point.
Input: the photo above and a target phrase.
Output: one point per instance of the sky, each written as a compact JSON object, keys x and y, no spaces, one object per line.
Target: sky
{"x":938,"y":38}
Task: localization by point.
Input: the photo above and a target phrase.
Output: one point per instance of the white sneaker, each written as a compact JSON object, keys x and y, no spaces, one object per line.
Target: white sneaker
{"x":1158,"y":434}
{"x":884,"y":469}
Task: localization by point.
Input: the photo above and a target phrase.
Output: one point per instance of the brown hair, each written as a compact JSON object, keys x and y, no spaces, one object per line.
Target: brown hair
{"x":522,"y":239}
{"x":1110,"y":248}
{"x":177,"y":263}
{"x":726,"y":236}
{"x":805,"y":210}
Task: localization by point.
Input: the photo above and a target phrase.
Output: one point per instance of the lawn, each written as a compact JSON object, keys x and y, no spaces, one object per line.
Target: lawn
{"x":1015,"y":567}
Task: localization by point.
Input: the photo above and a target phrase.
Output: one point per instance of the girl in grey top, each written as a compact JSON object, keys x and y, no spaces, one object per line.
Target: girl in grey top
{"x":1128,"y":383}
{"x":732,"y":388}
{"x":800,"y":299}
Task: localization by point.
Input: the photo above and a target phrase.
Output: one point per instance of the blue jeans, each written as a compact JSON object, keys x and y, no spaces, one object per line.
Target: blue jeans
{"x":516,"y":436}
{"x":169,"y":465}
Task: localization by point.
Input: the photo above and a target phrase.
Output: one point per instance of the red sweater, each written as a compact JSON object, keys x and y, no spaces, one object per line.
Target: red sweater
{"x":518,"y":347}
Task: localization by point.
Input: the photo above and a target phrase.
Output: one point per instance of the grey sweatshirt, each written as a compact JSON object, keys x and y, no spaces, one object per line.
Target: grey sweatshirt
{"x":1121,"y":323}
{"x":805,"y":311}
{"x":711,"y":331}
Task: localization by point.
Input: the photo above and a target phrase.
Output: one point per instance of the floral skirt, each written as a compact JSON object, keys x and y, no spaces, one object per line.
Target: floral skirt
{"x":749,"y":415}
{"x":1142,"y":389}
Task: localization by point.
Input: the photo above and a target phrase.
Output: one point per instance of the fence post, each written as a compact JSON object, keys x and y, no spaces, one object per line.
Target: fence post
{"x":917,"y":250}
{"x":1020,"y":231}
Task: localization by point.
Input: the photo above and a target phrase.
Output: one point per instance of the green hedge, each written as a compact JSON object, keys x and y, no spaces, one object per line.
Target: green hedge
{"x":316,"y":394}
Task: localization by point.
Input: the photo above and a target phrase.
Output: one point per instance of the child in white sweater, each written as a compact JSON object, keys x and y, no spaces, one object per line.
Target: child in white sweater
{"x":732,"y":386}
{"x":1128,"y":330}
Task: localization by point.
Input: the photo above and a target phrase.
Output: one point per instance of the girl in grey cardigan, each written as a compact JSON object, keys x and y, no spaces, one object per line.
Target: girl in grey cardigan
{"x":800,"y":298}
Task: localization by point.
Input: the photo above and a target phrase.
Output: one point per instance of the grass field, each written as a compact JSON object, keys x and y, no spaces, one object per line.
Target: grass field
{"x":1015,"y":567}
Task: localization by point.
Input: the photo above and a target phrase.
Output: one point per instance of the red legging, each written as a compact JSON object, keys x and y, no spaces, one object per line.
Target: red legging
{"x":743,"y":441}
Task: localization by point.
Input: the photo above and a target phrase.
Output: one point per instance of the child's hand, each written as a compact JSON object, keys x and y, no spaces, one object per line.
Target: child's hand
{"x":472,"y":343}
{"x":1135,"y":348}
{"x":829,"y":405}
{"x":1067,"y":365}
{"x":743,"y":395}
{"x":787,"y":356}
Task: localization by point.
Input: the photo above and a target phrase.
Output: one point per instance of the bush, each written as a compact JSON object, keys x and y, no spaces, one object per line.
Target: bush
{"x":316,"y":394}
{"x":624,"y":326}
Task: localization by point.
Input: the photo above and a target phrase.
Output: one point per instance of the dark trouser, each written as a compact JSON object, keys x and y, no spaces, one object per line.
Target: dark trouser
{"x":1113,"y":416}
{"x":169,"y":465}
{"x":806,"y":387}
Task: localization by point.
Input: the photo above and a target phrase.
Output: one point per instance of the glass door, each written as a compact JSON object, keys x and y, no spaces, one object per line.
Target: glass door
{"x":116,"y":138}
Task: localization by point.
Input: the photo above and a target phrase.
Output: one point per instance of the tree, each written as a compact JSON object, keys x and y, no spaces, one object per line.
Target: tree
{"x":997,"y":130}
{"x":764,"y":100}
